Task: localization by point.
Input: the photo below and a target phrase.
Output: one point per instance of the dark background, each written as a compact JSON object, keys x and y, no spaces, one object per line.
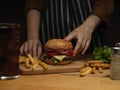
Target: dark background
{"x":14,"y":11}
{"x":113,"y":32}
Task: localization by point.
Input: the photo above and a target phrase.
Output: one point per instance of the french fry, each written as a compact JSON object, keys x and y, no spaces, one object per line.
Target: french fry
{"x":86,"y":64}
{"x":103,"y":65}
{"x":35,"y":66}
{"x":31,"y":59}
{"x":85,"y":71}
{"x":44,"y":65}
{"x":32,"y":62}
{"x":27,"y":63}
{"x":93,"y":70}
{"x":94,"y":65}
{"x":95,"y":62}
{"x":100,"y":70}
{"x":22,"y":59}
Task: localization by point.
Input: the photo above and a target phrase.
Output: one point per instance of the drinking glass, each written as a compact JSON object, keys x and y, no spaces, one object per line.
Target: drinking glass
{"x":9,"y":50}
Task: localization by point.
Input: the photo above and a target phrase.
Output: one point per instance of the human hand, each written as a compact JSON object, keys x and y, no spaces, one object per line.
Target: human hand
{"x":83,"y":35}
{"x":31,"y":46}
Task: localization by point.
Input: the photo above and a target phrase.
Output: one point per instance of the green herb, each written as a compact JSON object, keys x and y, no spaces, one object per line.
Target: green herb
{"x":102,"y":53}
{"x":43,"y":57}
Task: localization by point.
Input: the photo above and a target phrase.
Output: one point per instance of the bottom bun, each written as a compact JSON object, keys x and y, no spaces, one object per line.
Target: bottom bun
{"x":51,"y":62}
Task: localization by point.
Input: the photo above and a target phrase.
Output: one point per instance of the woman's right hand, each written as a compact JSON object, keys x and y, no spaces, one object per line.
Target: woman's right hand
{"x":31,"y":46}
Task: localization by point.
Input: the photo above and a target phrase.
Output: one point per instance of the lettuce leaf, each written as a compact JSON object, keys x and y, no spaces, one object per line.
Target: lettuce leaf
{"x":102,"y":53}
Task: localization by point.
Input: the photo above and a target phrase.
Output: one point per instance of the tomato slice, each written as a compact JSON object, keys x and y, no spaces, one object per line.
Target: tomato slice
{"x":67,"y":53}
{"x":50,"y":53}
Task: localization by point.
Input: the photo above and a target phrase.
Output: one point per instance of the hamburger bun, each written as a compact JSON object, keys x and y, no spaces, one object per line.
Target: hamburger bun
{"x":59,"y":44}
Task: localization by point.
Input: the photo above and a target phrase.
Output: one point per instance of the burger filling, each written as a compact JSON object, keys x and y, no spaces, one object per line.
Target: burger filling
{"x":56,"y":56}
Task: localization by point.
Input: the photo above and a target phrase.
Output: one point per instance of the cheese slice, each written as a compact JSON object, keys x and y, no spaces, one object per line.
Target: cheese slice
{"x":60,"y":57}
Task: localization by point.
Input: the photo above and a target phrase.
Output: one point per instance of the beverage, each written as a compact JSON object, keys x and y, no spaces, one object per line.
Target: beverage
{"x":9,"y":50}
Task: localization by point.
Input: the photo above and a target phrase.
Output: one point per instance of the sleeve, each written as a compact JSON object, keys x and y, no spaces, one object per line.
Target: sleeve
{"x":36,"y":4}
{"x":103,"y":9}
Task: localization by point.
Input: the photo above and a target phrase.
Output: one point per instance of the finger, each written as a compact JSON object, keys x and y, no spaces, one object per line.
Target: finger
{"x":83,"y":45}
{"x":86,"y":47}
{"x":34,"y":49}
{"x":77,"y":47}
{"x":25,"y":49}
{"x":39,"y":50}
{"x":21,"y":50}
{"x":30,"y":46}
{"x":69,"y":37}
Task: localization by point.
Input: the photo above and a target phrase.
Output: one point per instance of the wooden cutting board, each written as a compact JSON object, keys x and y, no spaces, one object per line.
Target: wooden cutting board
{"x":72,"y":67}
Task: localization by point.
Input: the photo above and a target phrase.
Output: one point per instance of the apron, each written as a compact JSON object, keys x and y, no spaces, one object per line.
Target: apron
{"x":62,"y":16}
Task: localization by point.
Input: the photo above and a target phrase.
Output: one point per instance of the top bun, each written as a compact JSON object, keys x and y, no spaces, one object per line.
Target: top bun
{"x":59,"y":44}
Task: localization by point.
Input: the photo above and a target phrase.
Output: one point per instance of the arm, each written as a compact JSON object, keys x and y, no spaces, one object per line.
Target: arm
{"x":101,"y":12}
{"x":103,"y":9}
{"x":33,"y":21}
{"x":33,"y":45}
{"x":34,"y":9}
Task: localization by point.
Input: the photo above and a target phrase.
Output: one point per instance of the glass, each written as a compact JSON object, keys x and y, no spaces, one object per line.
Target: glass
{"x":9,"y":50}
{"x":115,"y":63}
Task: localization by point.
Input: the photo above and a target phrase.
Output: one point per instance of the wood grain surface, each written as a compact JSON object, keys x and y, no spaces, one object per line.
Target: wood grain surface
{"x":60,"y":82}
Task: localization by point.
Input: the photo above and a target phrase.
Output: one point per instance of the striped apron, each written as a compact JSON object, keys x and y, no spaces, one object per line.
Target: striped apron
{"x":62,"y":16}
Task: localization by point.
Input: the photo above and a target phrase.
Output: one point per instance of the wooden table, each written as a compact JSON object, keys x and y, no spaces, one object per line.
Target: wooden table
{"x":60,"y":82}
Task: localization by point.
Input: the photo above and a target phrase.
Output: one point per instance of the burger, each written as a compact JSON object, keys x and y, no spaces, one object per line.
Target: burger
{"x":58,"y":51}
